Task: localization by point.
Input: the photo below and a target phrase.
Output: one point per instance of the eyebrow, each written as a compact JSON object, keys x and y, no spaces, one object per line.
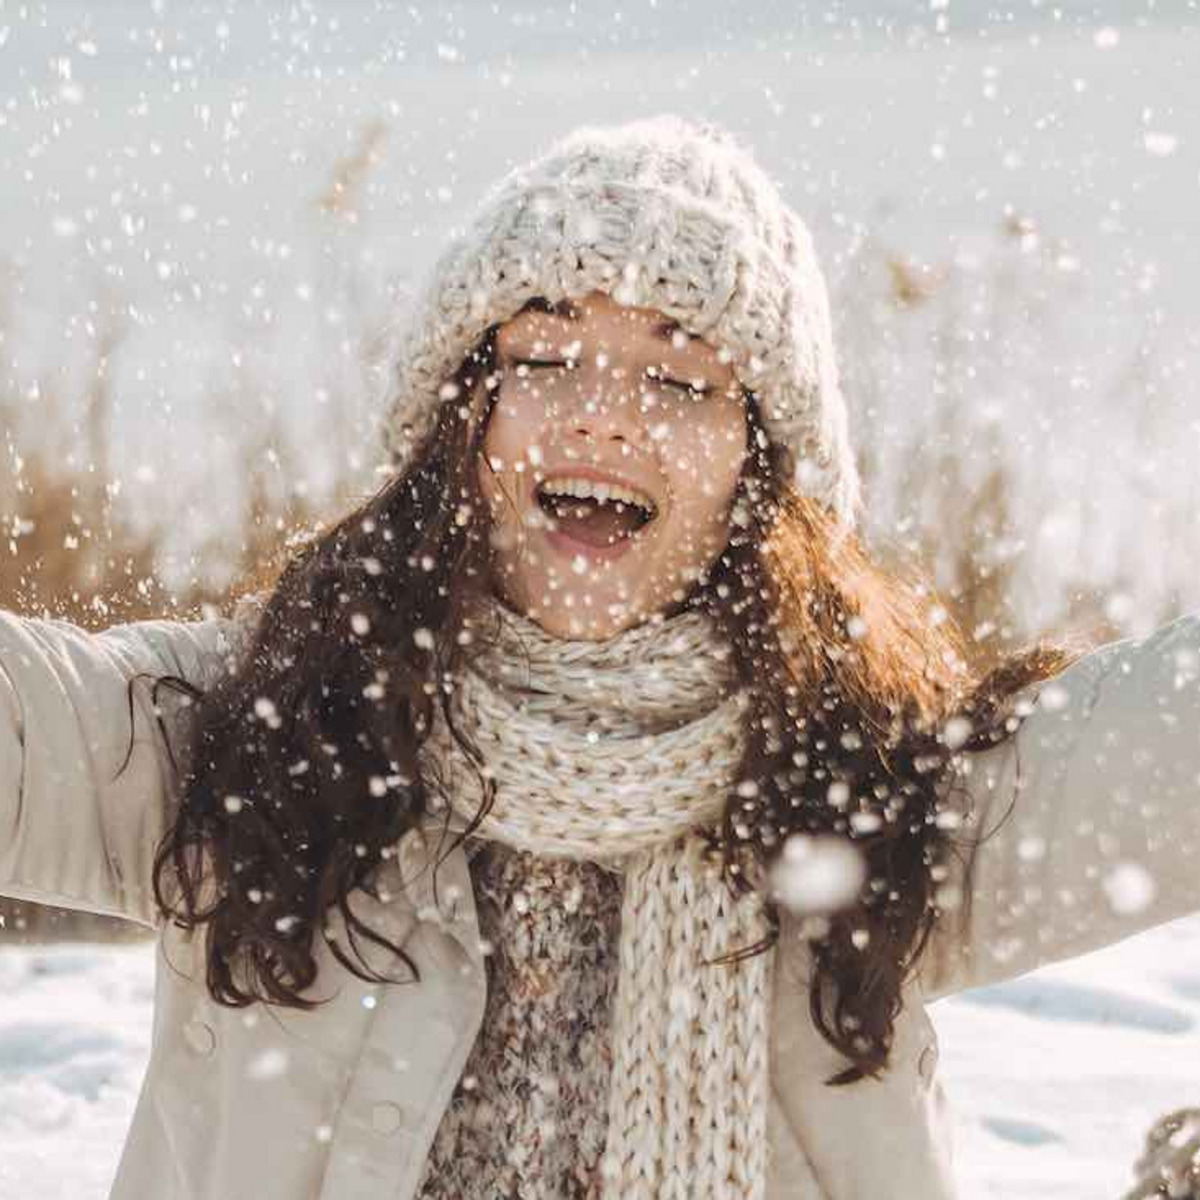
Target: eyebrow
{"x":662,"y":331}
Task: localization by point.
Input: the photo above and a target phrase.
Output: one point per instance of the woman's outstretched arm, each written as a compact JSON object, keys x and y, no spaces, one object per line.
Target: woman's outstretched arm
{"x":1103,"y":837}
{"x":75,"y":830}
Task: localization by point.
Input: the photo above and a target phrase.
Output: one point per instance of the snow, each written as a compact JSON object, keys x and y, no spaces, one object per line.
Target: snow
{"x":188,"y":188}
{"x":818,"y":874}
{"x":74,"y":1040}
{"x":1056,"y":1078}
{"x":1053,"y":1079}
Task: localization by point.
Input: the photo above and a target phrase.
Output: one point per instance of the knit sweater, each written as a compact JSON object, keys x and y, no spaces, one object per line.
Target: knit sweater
{"x":528,"y":1117}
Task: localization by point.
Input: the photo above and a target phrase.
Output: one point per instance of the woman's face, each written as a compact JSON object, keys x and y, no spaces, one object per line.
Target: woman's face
{"x":610,"y":464}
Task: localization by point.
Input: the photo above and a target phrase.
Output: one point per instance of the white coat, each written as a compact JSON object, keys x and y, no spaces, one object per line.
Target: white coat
{"x":341,"y":1103}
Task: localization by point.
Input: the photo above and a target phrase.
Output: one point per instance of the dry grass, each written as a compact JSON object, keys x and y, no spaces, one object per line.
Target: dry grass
{"x":945,"y":476}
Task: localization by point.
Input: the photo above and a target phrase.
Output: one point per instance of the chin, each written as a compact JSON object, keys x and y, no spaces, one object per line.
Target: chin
{"x":585,"y":625}
{"x":577,"y":623}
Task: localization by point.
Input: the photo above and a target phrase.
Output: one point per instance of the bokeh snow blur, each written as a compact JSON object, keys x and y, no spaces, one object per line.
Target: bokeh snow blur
{"x":236,"y":199}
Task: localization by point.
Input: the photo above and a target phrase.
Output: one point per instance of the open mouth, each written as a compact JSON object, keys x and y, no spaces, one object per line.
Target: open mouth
{"x":596,"y":514}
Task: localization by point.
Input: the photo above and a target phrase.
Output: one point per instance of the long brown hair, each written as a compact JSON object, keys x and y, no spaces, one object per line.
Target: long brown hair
{"x":301,"y":772}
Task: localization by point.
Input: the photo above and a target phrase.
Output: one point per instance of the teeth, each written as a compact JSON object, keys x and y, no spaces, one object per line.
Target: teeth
{"x":603,"y":492}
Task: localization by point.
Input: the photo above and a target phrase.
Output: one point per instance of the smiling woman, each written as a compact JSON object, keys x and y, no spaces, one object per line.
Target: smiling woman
{"x":609,"y":616}
{"x":518,"y":799}
{"x":611,"y":462}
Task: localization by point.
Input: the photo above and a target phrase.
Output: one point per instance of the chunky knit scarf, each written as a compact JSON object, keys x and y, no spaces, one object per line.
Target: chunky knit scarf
{"x":617,"y":751}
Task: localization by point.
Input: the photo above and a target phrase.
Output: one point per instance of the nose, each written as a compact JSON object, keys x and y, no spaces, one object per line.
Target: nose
{"x":607,"y":408}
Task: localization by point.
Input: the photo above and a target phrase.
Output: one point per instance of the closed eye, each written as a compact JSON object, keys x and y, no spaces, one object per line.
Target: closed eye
{"x":651,"y":373}
{"x":691,"y":388}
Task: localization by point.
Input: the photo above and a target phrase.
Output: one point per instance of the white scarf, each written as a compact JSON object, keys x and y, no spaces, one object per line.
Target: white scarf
{"x":614,"y":751}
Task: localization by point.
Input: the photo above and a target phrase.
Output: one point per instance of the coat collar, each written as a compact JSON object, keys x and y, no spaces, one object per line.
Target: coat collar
{"x":420,"y":1035}
{"x":371,"y":1072}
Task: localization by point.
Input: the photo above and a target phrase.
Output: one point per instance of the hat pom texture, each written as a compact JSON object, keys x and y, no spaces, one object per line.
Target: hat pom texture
{"x":661,"y":212}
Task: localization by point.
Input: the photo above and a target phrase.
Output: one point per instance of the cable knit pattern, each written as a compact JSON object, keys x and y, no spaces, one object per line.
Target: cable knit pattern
{"x":528,"y":1117}
{"x":615,"y":752}
{"x":598,"y":748}
{"x":661,"y":212}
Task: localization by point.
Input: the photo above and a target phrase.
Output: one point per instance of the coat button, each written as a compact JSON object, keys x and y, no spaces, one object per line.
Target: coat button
{"x":386,"y":1117}
{"x":200,"y":1037}
{"x":928,"y":1062}
{"x":412,"y":846}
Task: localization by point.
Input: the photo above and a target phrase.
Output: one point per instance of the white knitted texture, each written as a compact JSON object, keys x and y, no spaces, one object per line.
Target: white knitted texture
{"x":616,"y":751}
{"x":690,"y":1083}
{"x":659,"y":212}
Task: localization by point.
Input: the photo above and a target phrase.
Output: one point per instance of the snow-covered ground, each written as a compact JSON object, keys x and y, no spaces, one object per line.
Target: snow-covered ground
{"x":1054,"y":1078}
{"x":75,"y":1028}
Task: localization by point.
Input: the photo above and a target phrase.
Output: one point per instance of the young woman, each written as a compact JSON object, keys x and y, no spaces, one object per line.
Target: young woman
{"x":585,"y":815}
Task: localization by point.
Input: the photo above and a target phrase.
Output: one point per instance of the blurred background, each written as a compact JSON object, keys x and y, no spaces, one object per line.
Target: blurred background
{"x":212,"y":217}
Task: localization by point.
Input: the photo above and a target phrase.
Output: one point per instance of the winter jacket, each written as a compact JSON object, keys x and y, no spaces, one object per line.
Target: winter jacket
{"x":342,"y":1102}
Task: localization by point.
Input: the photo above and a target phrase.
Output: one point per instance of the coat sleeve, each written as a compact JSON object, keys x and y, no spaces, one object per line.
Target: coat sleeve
{"x":75,"y":831}
{"x":1103,"y":838}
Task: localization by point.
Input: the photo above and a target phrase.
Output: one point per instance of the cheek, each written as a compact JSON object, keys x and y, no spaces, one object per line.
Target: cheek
{"x":705,"y":462}
{"x":512,"y":429}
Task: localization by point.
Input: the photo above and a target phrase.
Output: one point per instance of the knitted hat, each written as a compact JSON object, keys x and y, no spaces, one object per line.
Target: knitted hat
{"x":660,"y":212}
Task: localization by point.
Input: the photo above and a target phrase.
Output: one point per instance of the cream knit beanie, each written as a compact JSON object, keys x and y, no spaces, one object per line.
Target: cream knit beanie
{"x":661,"y":212}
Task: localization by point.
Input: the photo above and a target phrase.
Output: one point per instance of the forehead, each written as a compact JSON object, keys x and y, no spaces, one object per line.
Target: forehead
{"x":598,"y":310}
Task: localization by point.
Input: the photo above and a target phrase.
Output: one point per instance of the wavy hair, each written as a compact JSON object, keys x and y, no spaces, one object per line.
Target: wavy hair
{"x":302,"y":768}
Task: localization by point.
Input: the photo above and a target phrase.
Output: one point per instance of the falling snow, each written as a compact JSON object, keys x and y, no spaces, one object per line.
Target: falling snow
{"x":212,"y":219}
{"x":817,"y":875}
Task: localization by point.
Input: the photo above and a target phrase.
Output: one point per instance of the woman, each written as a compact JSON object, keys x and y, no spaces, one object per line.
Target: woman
{"x":585,"y":814}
